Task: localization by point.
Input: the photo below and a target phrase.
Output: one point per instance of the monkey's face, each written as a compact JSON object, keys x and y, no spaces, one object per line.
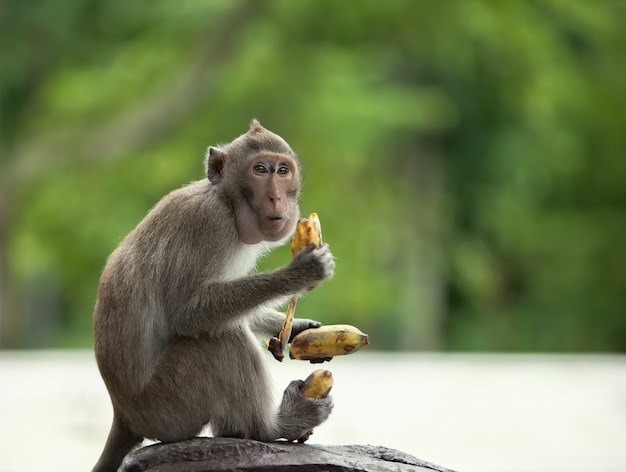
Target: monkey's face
{"x":271,"y":185}
{"x":260,"y":175}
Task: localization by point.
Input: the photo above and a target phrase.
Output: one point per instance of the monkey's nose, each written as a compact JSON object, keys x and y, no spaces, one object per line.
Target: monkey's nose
{"x":275,"y":205}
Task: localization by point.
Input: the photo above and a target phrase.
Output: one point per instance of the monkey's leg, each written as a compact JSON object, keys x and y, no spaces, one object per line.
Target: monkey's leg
{"x":119,"y":443}
{"x":221,"y":380}
{"x":298,"y":414}
{"x":216,"y":379}
{"x":243,"y":392}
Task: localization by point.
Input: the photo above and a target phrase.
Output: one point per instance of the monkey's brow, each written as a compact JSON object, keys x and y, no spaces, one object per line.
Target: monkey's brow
{"x":280,"y":164}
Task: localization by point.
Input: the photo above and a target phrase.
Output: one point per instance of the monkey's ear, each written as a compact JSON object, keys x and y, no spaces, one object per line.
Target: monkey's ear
{"x":215,"y":159}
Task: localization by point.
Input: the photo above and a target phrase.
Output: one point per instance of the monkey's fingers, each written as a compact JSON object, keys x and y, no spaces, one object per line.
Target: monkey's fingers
{"x":275,"y":347}
{"x":320,"y":360}
{"x":299,"y":327}
{"x":305,"y":436}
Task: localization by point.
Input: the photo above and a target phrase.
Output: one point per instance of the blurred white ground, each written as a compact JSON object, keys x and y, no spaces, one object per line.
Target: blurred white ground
{"x":472,"y":413}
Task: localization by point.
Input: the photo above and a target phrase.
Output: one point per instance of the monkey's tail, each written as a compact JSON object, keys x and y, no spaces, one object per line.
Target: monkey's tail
{"x":119,"y":443}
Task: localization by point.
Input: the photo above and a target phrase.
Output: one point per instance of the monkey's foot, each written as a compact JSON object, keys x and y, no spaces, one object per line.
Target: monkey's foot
{"x":305,"y":436}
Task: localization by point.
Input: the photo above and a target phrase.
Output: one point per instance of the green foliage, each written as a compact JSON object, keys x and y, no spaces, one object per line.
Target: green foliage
{"x":463,"y":156}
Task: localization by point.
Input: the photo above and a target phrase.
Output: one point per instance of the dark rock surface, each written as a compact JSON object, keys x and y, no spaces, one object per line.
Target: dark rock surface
{"x":227,"y":454}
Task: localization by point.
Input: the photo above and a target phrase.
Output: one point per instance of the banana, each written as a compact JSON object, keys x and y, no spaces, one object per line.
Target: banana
{"x":326,"y":342}
{"x":308,"y":231}
{"x":318,"y":384}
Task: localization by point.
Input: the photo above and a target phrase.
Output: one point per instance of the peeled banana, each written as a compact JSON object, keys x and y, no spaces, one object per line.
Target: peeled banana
{"x":308,"y":231}
{"x":318,"y":384}
{"x":319,"y":344}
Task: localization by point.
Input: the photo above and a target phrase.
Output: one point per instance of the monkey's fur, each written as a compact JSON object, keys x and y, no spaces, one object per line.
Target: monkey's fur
{"x":176,"y":309}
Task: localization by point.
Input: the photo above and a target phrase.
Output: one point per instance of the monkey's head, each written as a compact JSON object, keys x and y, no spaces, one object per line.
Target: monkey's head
{"x":259,"y":175}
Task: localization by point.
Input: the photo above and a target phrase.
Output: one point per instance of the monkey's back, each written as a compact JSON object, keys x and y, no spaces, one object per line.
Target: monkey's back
{"x":150,"y":276}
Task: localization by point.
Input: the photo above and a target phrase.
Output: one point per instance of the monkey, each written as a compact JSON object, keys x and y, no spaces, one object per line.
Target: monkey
{"x":179,"y":307}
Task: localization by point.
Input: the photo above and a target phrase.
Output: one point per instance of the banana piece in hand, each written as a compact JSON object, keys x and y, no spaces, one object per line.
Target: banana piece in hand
{"x":319,"y":344}
{"x":308,"y":231}
{"x":316,"y":386}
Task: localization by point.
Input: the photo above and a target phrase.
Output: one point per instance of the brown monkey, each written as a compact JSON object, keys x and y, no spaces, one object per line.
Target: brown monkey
{"x":176,"y":307}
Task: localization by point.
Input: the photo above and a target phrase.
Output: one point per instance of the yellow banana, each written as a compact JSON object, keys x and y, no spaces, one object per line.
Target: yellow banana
{"x":318,"y":384}
{"x":326,"y":342}
{"x":308,"y":231}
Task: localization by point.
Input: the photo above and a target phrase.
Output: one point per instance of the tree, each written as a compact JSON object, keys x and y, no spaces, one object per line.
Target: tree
{"x":462,"y":156}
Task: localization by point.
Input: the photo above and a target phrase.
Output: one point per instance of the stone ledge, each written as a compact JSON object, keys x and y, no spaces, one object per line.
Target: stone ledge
{"x":245,"y":455}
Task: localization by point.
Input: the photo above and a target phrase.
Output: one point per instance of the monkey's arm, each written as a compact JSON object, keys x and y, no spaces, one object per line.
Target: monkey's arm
{"x":270,"y":324}
{"x":266,"y":323}
{"x":218,"y":302}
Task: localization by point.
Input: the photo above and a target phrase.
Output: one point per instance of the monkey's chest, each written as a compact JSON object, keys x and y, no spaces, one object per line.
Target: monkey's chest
{"x":241,"y":261}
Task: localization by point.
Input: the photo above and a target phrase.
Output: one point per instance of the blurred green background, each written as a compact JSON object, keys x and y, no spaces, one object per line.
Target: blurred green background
{"x":466,"y":157}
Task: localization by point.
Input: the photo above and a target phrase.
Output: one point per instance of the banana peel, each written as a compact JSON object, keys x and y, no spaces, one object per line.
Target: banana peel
{"x":276,"y":344}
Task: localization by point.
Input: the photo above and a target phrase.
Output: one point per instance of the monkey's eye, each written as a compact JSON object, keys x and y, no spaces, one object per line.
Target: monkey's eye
{"x":260,"y":169}
{"x":283,"y":170}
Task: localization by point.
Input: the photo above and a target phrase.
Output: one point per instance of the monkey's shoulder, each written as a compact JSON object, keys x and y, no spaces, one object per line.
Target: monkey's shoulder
{"x":186,"y":219}
{"x":196,"y":195}
{"x":197,"y":204}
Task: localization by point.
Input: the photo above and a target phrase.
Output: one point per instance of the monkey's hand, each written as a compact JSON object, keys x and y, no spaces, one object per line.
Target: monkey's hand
{"x":298,"y":415}
{"x":300,"y":325}
{"x":312,"y":266}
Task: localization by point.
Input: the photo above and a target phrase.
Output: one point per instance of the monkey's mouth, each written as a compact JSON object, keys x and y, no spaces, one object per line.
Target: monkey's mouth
{"x":274,"y":224}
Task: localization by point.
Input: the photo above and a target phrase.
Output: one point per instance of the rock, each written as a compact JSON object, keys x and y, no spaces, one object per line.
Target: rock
{"x":228,"y":454}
